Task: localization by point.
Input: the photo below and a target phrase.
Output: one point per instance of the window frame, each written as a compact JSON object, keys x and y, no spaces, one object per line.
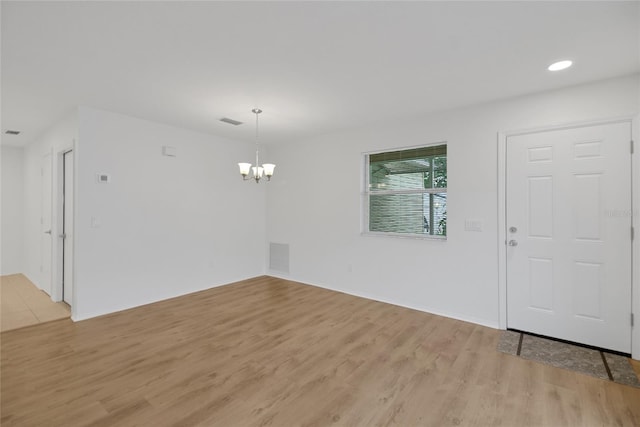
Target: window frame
{"x":366,"y":195}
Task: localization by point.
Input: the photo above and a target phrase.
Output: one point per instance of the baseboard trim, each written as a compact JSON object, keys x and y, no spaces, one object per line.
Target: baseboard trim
{"x":457,"y":316}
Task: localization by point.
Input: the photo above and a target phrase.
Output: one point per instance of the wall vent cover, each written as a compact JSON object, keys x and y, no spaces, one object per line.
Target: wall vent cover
{"x":279,"y":257}
{"x":230,"y":121}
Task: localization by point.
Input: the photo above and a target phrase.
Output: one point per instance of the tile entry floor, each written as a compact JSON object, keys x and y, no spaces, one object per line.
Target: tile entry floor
{"x":23,"y":304}
{"x":589,"y":361}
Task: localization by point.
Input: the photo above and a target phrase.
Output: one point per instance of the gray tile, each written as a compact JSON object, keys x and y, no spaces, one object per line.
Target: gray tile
{"x":509,"y":342}
{"x":562,"y":355}
{"x":569,"y":356}
{"x":621,"y":370}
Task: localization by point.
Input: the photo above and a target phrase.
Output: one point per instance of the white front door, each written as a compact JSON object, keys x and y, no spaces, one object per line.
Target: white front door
{"x":569,"y":234}
{"x":45,"y":223}
{"x":67,"y":228}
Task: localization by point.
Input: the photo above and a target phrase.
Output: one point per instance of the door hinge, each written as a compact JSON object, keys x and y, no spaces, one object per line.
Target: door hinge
{"x":633,"y":233}
{"x":631,"y":319}
{"x":631,"y":144}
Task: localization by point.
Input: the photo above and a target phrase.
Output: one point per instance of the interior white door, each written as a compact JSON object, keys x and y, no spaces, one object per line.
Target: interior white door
{"x":46,"y":240}
{"x":569,"y":234}
{"x":67,"y":232}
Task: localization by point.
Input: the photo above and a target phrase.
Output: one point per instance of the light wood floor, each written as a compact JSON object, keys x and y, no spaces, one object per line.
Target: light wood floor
{"x":268,"y":352}
{"x":23,"y":304}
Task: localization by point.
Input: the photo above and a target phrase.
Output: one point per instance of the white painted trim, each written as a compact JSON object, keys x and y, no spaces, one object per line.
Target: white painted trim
{"x":57,"y":252}
{"x":74,"y":295}
{"x":413,"y":236}
{"x":57,"y":245}
{"x":365,"y":202}
{"x":456,"y":316}
{"x":502,"y":191}
{"x":572,"y":125}
{"x":279,"y":275}
{"x":502,"y":227}
{"x":405,"y":147}
{"x":635,"y":249}
{"x":53,"y":223}
{"x":78,"y":317}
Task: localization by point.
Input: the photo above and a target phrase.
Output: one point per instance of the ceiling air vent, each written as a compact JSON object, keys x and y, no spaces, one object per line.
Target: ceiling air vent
{"x":12,"y":132}
{"x":230,"y":121}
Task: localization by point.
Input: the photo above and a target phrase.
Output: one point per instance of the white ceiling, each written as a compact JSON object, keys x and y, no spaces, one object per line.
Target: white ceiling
{"x":313,"y":67}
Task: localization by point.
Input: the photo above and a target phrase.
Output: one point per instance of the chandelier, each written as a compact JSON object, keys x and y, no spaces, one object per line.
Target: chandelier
{"x":257,"y":171}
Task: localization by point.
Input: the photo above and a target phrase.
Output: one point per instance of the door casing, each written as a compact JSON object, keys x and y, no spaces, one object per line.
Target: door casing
{"x":47,"y":221}
{"x":58,"y":247}
{"x":67,"y":227}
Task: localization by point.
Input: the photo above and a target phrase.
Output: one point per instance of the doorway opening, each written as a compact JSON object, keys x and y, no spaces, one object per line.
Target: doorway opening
{"x":66,"y":235}
{"x":566,"y":261}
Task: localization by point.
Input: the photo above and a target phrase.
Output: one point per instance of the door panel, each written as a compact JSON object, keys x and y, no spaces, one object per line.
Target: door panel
{"x":569,"y":260}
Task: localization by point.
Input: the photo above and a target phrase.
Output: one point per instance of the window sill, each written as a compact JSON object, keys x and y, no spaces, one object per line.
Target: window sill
{"x":404,"y":236}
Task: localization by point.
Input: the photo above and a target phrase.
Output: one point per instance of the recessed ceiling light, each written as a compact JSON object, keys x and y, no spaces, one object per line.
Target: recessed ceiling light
{"x":560,"y":65}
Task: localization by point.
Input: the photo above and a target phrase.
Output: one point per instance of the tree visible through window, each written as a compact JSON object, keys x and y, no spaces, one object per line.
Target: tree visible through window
{"x":407,"y":191}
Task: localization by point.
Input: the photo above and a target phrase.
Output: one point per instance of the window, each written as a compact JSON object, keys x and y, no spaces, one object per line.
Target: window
{"x":406,"y":192}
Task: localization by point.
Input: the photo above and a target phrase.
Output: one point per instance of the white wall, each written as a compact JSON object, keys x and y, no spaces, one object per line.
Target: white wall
{"x":170,"y":226}
{"x":314,"y":204}
{"x":167,"y":225}
{"x":11,"y":232}
{"x":54,"y":141}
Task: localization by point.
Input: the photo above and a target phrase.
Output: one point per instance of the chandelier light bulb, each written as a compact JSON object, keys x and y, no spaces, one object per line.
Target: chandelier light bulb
{"x":244,"y":168}
{"x":268,"y":169}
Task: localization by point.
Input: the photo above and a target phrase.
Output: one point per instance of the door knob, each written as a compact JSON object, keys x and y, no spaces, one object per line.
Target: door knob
{"x":513,"y":243}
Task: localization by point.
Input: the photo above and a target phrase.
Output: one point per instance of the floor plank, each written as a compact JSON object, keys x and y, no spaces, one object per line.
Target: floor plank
{"x":23,"y":304}
{"x":270,"y":352}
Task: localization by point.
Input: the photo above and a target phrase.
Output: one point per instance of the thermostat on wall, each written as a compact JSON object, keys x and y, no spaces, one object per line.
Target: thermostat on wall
{"x":103,"y":178}
{"x":169,"y":151}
